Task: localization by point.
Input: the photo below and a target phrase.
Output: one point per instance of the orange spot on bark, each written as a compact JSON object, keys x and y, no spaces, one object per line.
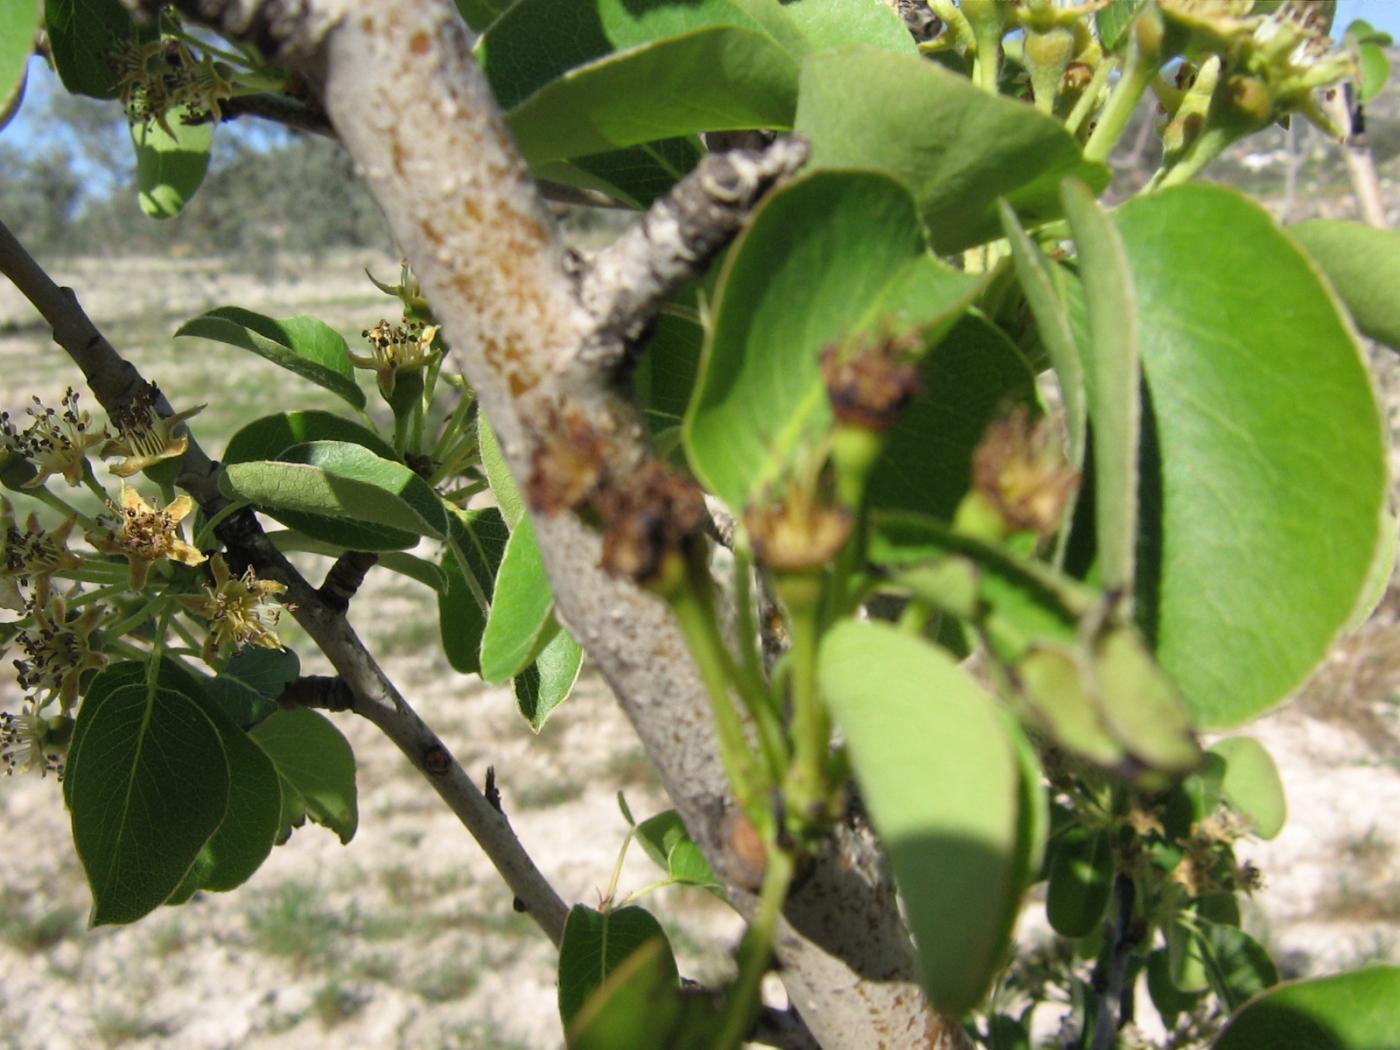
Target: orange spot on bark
{"x":420,"y":43}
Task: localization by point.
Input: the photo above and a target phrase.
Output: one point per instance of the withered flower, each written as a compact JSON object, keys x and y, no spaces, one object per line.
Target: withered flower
{"x":26,"y":556}
{"x":801,"y":527}
{"x":58,"y":650}
{"x":145,"y":437}
{"x":1021,"y":472}
{"x":241,"y":610}
{"x":56,"y":442}
{"x":144,"y":534}
{"x":872,"y":383}
{"x":647,"y":523}
{"x":567,"y":467}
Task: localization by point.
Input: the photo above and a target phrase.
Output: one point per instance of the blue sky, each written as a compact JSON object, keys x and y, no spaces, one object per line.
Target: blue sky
{"x":1383,"y":14}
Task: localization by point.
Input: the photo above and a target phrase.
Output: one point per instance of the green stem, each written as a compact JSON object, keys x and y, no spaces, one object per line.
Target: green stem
{"x":694,"y":611}
{"x":1113,"y":121}
{"x":58,"y":503}
{"x":811,"y":726}
{"x":1213,"y":140}
{"x":756,"y":951}
{"x":141,"y":615}
{"x":1089,"y":98}
{"x":207,"y":530}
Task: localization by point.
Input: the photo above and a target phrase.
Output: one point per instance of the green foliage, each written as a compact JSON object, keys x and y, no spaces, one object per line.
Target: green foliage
{"x":170,"y":163}
{"x":1349,"y":1011}
{"x":596,"y":944}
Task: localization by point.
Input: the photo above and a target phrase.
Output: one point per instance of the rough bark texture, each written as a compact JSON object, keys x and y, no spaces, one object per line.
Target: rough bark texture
{"x":406,"y":98}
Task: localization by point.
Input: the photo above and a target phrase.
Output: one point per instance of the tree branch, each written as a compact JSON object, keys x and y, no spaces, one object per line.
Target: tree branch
{"x":416,"y":113}
{"x":117,"y":383}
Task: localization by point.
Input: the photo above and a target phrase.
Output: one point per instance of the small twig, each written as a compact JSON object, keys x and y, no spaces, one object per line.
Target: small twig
{"x":1108,"y":978}
{"x":628,"y":281}
{"x":1356,"y":155}
{"x":345,"y":578}
{"x":327,"y":692}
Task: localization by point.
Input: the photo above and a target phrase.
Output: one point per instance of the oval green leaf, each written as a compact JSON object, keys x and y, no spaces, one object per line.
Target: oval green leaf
{"x":521,"y":608}
{"x":19,"y":22}
{"x":1268,"y":459}
{"x":316,"y":764}
{"x":942,"y":780}
{"x":149,"y":786}
{"x":82,"y":34}
{"x":481,"y":537}
{"x":1348,"y":1011}
{"x":595,"y":944}
{"x":302,"y":345}
{"x":861,"y":107}
{"x":170,"y":165}
{"x":1252,"y":786}
{"x":549,"y":680}
{"x":337,"y":478}
{"x":1363,"y":266}
{"x":828,"y":257}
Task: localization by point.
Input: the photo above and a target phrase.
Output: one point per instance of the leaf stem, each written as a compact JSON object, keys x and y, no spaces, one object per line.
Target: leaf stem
{"x":755,"y":952}
{"x":1118,"y":111}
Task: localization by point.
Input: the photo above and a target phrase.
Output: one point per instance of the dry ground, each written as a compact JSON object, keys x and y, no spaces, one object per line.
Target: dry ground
{"x":404,"y":938}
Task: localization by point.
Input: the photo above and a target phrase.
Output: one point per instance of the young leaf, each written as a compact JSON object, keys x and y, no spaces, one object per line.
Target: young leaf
{"x":667,"y":842}
{"x":1237,"y":966}
{"x":1081,"y":881}
{"x":1038,"y":278}
{"x":1251,"y":785}
{"x":666,"y":372}
{"x":640,"y":1007}
{"x":547,"y":682}
{"x":867,"y":108}
{"x":170,"y":165}
{"x":82,"y":34}
{"x":845,"y":23}
{"x":341,"y":479}
{"x":619,"y":73}
{"x":19,"y":22}
{"x":595,"y":944}
{"x":1112,"y":382}
{"x":303,"y":345}
{"x":1249,"y":492}
{"x":1113,"y":21}
{"x":1363,"y":266}
{"x":248,"y":686}
{"x":826,"y":258}
{"x":149,"y":786}
{"x":316,"y":764}
{"x":942,"y":782}
{"x":498,"y":475}
{"x":635,"y":176}
{"x":481,"y":536}
{"x":521,"y":608}
{"x":1359,"y":1010}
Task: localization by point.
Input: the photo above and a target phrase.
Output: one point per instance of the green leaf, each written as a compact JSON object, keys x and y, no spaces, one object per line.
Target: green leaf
{"x":1140,"y":704}
{"x":498,"y":475}
{"x":640,"y":1007}
{"x":82,"y":34}
{"x":617,"y":73}
{"x":1359,"y":1010}
{"x":1170,"y":1001}
{"x":252,"y":819}
{"x":1081,"y":881}
{"x":148,"y":786}
{"x":521,"y":608}
{"x":247,"y":688}
{"x":339,"y":478}
{"x":868,"y":108}
{"x":479,"y":13}
{"x":825,"y":258}
{"x":941,"y":779}
{"x":170,"y":165}
{"x":1267,"y":461}
{"x":269,"y":437}
{"x":1363,"y":266}
{"x":595,"y":944}
{"x":667,"y":842}
{"x":1237,"y":966}
{"x":841,"y":23}
{"x":970,"y":378}
{"x":481,"y":536}
{"x":1373,"y":68}
{"x":316,"y":764}
{"x":1040,"y":282}
{"x":636,"y":175}
{"x":1113,"y":21}
{"x":1252,"y":785}
{"x":666,"y":372}
{"x":19,"y":21}
{"x":1112,"y":382}
{"x":547,"y":682}
{"x":303,"y":345}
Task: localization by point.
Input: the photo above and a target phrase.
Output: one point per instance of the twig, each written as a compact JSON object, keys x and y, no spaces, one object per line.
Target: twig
{"x":628,"y":281}
{"x":1356,"y":155}
{"x":116,"y":382}
{"x":1108,"y":979}
{"x":345,"y":577}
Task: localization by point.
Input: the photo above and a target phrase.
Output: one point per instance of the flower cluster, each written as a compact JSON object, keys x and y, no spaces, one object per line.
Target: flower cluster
{"x":145,"y":534}
{"x":158,"y":76}
{"x":56,"y":442}
{"x":145,"y":437}
{"x":31,"y":743}
{"x":58,"y":648}
{"x":29,"y":555}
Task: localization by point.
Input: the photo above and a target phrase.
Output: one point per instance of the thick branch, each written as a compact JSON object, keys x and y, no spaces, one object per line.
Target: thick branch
{"x":419,"y":118}
{"x":116,"y":383}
